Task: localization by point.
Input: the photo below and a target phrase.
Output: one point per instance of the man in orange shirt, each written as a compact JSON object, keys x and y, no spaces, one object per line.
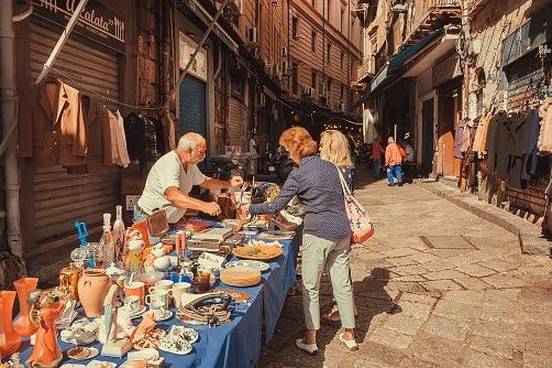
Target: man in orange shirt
{"x":393,"y":161}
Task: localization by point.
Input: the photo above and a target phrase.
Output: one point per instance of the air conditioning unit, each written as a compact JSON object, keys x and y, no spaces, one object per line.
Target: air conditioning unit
{"x":308,"y":91}
{"x":399,"y":7}
{"x":252,"y":35}
{"x":284,"y":52}
{"x":285,"y":68}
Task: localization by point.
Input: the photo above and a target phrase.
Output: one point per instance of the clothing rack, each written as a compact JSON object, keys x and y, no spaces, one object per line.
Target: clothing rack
{"x":108,"y":100}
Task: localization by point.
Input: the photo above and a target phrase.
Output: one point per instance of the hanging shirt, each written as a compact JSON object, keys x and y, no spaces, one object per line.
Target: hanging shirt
{"x":150,"y":139}
{"x":169,"y":130}
{"x":481,"y":135}
{"x":135,"y":132}
{"x":99,"y":156}
{"x":53,"y":130}
{"x":544,"y":144}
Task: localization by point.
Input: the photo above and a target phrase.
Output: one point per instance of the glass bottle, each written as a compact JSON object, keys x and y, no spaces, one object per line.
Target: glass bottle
{"x":106,"y":246}
{"x":119,"y":236}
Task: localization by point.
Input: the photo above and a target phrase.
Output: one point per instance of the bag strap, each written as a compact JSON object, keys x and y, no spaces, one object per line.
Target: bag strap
{"x":344,"y":184}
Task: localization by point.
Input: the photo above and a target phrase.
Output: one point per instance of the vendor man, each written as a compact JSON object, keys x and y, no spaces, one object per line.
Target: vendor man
{"x":172,"y":177}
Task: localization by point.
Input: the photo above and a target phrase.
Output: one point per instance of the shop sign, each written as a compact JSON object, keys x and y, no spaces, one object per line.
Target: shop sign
{"x":186,"y":48}
{"x":95,"y":22}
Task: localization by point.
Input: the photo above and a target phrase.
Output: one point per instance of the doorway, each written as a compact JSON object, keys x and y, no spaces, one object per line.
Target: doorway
{"x":427,"y":135}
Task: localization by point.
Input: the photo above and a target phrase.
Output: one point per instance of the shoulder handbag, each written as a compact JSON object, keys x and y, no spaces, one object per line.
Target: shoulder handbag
{"x":361,"y":223}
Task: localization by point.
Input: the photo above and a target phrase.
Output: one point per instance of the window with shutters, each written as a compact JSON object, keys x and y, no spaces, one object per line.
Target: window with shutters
{"x":313,"y":41}
{"x":294,"y":26}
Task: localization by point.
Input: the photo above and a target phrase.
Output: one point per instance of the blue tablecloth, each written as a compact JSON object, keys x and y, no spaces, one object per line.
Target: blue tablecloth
{"x":276,"y":286}
{"x":237,"y":343}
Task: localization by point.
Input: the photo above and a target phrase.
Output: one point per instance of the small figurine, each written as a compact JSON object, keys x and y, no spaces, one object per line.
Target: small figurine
{"x":46,"y":309}
{"x":135,"y":246}
{"x":107,"y":322}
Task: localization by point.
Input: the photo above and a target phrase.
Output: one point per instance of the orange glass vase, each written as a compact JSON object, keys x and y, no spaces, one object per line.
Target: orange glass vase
{"x":9,"y":339}
{"x":23,"y":324}
{"x":46,"y":353}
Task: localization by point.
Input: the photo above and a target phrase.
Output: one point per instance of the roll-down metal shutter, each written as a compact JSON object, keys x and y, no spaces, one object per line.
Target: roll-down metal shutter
{"x":61,"y":198}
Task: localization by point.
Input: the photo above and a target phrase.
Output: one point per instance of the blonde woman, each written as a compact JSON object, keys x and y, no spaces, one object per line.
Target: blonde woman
{"x":334,"y":147}
{"x":326,"y":233}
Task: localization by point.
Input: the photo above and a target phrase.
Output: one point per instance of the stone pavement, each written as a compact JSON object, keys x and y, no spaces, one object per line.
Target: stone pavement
{"x":467,"y":297}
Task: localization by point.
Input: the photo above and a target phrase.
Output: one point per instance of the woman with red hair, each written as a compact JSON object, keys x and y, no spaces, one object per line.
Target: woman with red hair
{"x":326,"y":233}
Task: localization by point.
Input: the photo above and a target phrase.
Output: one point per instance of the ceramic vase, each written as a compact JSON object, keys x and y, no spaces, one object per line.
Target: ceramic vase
{"x":46,"y":353}
{"x":23,"y":324}
{"x":93,"y":287}
{"x":9,"y":339}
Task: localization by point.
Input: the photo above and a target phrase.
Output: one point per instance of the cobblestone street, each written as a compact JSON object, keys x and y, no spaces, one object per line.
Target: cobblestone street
{"x":467,"y":296}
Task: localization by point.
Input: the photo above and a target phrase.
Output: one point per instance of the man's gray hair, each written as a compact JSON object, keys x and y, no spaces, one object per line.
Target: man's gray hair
{"x":189,"y":141}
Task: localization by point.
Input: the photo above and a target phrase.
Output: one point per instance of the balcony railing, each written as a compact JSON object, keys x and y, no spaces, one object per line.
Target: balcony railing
{"x":427,"y":13}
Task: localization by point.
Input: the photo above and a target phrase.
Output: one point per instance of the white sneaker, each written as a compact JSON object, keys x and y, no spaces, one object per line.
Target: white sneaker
{"x":349,"y":344}
{"x":311,"y":349}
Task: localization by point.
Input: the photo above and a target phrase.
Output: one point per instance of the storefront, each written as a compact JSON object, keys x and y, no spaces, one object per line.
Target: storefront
{"x":53,"y":195}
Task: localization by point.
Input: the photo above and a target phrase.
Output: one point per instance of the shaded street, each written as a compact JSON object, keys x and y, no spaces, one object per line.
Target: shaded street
{"x":467,"y":296}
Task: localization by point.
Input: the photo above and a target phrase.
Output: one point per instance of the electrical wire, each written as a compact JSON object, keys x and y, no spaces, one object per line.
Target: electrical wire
{"x":76,"y":84}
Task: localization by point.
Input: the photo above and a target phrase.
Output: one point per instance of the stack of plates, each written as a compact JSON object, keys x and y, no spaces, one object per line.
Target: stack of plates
{"x":240,"y":276}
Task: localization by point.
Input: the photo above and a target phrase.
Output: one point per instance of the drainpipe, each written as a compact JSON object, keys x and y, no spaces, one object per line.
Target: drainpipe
{"x":8,"y":98}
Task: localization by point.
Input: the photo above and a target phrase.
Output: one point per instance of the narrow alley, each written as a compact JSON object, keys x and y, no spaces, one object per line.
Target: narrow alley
{"x":466,"y":295}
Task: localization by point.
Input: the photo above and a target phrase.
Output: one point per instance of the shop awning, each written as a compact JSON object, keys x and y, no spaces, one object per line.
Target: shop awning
{"x":318,"y":114}
{"x":395,"y":65}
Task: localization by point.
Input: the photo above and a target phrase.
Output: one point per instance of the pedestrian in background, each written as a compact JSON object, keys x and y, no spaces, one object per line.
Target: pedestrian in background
{"x":326,"y":233}
{"x":335,"y":148}
{"x":393,"y":161}
{"x":377,"y":155}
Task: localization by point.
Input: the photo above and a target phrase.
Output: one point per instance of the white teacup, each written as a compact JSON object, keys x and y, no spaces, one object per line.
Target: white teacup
{"x":159,"y":296}
{"x":161,"y":285}
{"x":178,"y":290}
{"x":158,"y":308}
{"x":132,"y":303}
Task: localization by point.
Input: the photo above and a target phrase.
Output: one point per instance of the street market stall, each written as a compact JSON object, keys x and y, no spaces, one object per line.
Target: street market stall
{"x":201,"y":293}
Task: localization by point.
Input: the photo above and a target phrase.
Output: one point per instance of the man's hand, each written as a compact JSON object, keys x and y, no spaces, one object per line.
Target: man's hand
{"x":236,"y":181}
{"x":211,"y":208}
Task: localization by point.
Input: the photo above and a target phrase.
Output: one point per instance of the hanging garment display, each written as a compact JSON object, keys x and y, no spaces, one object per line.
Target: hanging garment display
{"x":159,"y":137}
{"x":151,"y":154}
{"x":169,"y":130}
{"x":544,"y":144}
{"x":512,"y":147}
{"x":56,"y":133}
{"x":135,"y":132}
{"x":118,"y":140}
{"x":481,"y":135}
{"x":99,"y":137}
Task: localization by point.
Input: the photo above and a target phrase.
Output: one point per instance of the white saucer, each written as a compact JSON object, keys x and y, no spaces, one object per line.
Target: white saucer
{"x":93,"y":352}
{"x":139,"y":312}
{"x":168,"y":315}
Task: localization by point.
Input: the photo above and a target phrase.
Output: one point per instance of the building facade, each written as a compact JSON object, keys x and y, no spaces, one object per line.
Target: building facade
{"x":467,"y":66}
{"x":248,"y":80}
